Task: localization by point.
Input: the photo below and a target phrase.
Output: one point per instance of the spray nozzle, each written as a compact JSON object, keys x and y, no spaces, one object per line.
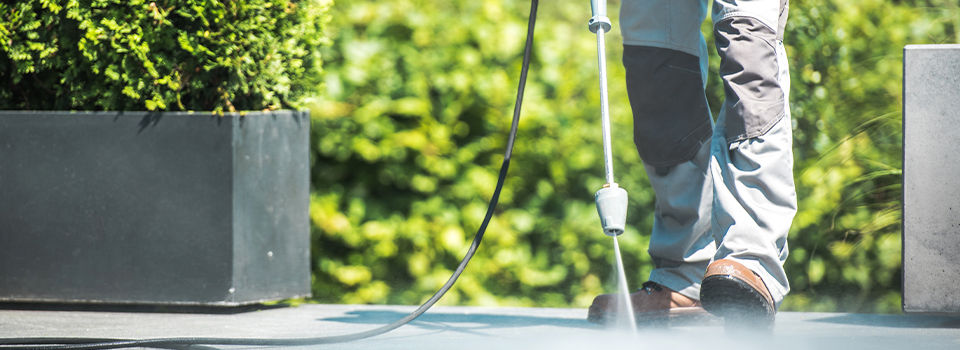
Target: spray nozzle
{"x":612,"y":207}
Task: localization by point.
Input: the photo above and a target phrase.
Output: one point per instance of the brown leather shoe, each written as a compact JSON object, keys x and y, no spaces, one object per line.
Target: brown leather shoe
{"x":652,"y":303}
{"x":734,"y":292}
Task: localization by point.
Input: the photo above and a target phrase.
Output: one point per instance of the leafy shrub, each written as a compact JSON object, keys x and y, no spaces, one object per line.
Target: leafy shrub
{"x":411,"y":129}
{"x":410,"y":138}
{"x":160,"y":55}
{"x":847,"y":74}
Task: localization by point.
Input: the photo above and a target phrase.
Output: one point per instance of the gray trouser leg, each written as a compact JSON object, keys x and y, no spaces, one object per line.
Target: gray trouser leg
{"x":681,"y":245}
{"x":672,"y":130}
{"x":755,"y":201}
{"x":752,"y":158}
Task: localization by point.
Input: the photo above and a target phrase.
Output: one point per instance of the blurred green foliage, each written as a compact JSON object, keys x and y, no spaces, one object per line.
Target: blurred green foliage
{"x":160,"y":55}
{"x":847,"y":99}
{"x":410,"y":131}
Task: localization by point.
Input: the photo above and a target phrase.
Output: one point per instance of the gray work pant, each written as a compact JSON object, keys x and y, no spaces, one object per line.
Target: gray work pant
{"x":724,"y":189}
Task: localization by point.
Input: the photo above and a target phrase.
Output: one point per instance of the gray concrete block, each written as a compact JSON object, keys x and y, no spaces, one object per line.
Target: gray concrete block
{"x":931,"y":178}
{"x":156,"y":208}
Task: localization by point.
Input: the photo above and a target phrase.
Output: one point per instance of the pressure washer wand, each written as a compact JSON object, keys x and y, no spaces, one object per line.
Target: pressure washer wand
{"x":611,"y":199}
{"x":600,"y":24}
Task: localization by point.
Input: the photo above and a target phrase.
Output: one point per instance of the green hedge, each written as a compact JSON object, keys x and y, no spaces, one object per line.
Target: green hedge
{"x":160,"y":55}
{"x":847,"y":73}
{"x":413,"y":122}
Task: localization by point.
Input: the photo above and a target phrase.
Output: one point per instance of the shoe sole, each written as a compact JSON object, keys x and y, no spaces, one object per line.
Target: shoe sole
{"x":736,"y":302}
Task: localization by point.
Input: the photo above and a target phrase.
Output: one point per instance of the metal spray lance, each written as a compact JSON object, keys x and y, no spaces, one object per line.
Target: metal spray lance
{"x":611,"y":199}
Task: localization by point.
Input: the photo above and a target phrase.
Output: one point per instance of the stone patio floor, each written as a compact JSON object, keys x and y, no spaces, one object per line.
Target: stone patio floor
{"x":479,"y":328}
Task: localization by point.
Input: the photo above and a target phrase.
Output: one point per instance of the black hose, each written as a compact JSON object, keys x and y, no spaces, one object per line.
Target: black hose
{"x":191,"y":342}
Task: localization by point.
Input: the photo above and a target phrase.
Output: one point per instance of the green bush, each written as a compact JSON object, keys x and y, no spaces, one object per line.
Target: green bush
{"x":410,"y":138}
{"x":410,"y":133}
{"x":847,"y":74}
{"x":160,"y":55}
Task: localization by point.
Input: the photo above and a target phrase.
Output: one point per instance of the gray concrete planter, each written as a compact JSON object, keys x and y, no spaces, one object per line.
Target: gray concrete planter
{"x":154,"y":208}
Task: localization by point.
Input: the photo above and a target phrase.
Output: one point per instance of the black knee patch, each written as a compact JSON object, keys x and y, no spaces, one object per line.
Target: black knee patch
{"x":670,"y":114}
{"x":750,"y":72}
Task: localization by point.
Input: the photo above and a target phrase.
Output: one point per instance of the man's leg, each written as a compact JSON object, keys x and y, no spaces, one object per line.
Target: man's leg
{"x":672,"y":127}
{"x":752,"y":161}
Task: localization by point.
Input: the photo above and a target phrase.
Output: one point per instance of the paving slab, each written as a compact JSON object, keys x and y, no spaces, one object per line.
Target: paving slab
{"x":446,"y":327}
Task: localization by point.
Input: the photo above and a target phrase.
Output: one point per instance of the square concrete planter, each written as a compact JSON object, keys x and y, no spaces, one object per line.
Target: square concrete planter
{"x":154,"y":208}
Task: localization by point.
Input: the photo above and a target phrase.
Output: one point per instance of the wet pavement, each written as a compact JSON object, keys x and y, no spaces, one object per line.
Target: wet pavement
{"x":479,"y":328}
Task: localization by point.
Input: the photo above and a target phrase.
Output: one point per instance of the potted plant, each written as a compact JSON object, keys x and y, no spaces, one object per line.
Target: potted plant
{"x":148,"y":152}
